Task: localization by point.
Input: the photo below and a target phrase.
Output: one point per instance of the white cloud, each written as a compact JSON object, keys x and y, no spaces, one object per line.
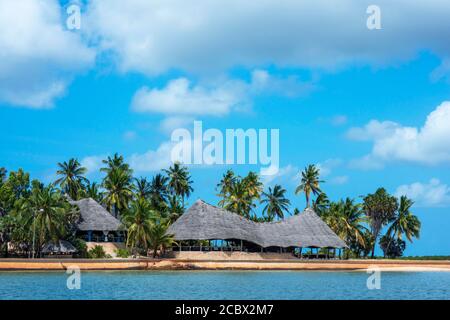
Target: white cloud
{"x":339,"y":120}
{"x":93,"y":163}
{"x":169,"y":124}
{"x":339,"y":180}
{"x":431,"y":194}
{"x":181,"y":97}
{"x":38,"y":57}
{"x":129,"y":135}
{"x":429,"y":144}
{"x":285,"y":174}
{"x":326,"y":167}
{"x":152,"y":160}
{"x":197,"y":36}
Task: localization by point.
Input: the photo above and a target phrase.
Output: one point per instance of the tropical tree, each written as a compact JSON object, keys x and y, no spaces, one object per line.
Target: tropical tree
{"x":380,"y":208}
{"x":138,"y":219}
{"x":309,"y":183}
{"x":275,"y":202}
{"x":174,"y":209}
{"x":239,"y":200}
{"x":253,"y":185}
{"x":46,"y":213}
{"x":225,"y":185}
{"x":142,"y":187}
{"x":347,"y":220}
{"x":118,"y":190}
{"x":404,"y":222}
{"x":159,"y":192}
{"x":392,"y":247}
{"x":179,"y":181}
{"x":71,"y":178}
{"x":159,"y":239}
{"x":2,"y":175}
{"x":116,"y":162}
{"x":92,"y":190}
{"x":321,"y":204}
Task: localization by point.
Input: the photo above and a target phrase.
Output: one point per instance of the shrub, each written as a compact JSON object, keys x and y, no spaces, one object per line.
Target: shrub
{"x":98,"y":252}
{"x":122,"y":253}
{"x":81,"y":247}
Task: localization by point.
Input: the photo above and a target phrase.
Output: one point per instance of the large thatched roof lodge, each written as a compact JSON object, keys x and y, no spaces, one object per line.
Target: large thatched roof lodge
{"x":96,"y":223}
{"x":206,"y":222}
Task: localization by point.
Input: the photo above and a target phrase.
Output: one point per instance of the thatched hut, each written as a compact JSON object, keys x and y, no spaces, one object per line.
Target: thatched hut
{"x":59,"y":248}
{"x":96,"y":223}
{"x":206,"y":222}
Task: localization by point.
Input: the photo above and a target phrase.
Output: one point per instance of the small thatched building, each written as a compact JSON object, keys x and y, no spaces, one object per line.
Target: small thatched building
{"x":61,"y":247}
{"x":96,"y":223}
{"x":206,"y":222}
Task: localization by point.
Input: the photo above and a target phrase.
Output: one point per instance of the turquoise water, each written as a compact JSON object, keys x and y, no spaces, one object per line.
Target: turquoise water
{"x":224,"y":285}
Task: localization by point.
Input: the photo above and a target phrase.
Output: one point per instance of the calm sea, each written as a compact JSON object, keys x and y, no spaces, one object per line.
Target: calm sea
{"x":225,"y":285}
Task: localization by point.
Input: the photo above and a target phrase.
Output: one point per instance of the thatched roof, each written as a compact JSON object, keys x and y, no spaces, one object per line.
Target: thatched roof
{"x":60,"y":246}
{"x":93,"y":217}
{"x":203,"y":222}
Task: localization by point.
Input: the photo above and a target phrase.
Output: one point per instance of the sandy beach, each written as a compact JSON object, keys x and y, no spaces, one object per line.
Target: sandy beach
{"x":178,"y":264}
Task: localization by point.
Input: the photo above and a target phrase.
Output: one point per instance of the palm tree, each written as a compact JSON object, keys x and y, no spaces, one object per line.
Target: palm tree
{"x":309,"y":183}
{"x":225,"y":185}
{"x":380,"y":208}
{"x":93,"y":191}
{"x":159,"y":239}
{"x":253,"y":185}
{"x":275,"y":202}
{"x":138,"y":219}
{"x":45,"y":212}
{"x":72,"y":177}
{"x":174,"y":209}
{"x":321,"y":204}
{"x":239,"y":200}
{"x":2,"y":175}
{"x":142,"y":187}
{"x":347,"y":220}
{"x":118,"y":192}
{"x":404,"y":222}
{"x":159,"y":192}
{"x":115,"y":162}
{"x":179,"y":181}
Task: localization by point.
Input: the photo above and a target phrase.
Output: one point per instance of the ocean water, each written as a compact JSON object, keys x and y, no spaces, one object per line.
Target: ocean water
{"x":225,"y":285}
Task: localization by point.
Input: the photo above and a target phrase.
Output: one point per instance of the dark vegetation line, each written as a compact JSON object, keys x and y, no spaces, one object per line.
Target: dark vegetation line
{"x":30,"y":210}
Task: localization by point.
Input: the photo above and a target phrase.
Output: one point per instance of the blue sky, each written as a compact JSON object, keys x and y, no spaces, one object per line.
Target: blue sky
{"x":369,"y":107}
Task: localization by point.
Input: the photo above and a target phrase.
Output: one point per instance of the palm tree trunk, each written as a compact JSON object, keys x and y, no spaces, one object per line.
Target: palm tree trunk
{"x":307,"y":199}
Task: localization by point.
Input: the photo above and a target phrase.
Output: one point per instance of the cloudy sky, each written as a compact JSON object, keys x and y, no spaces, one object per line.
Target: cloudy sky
{"x":370,"y":107}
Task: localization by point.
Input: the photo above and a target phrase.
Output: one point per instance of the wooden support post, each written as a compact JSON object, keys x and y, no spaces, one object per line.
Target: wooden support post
{"x":241,"y":245}
{"x":301,"y":252}
{"x":317,"y":253}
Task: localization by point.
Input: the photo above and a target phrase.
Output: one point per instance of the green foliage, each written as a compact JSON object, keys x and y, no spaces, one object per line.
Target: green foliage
{"x":275,"y":202}
{"x":238,"y":194}
{"x":118,"y":188}
{"x":179,"y":183}
{"x":97,"y":252}
{"x":80,"y":245}
{"x":122,"y":253}
{"x":392,"y":248}
{"x":71,"y":178}
{"x":380,"y":208}
{"x":309,"y":183}
{"x":158,"y":238}
{"x":138,"y":220}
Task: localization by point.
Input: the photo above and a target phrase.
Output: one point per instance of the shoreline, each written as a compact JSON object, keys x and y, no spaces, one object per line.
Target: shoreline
{"x":251,"y":265}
